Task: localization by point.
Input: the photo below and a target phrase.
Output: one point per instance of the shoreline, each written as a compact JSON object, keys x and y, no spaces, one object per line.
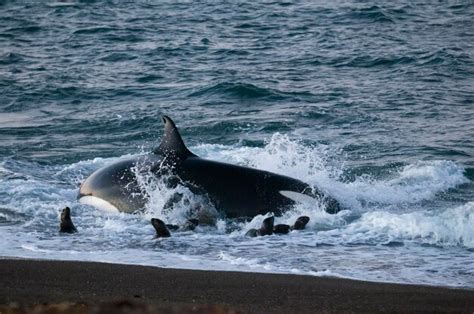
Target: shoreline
{"x":33,"y":259}
{"x":27,"y":283}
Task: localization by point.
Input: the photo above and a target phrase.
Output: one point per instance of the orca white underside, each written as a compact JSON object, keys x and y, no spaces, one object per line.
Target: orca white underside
{"x":99,"y":203}
{"x":297,"y":197}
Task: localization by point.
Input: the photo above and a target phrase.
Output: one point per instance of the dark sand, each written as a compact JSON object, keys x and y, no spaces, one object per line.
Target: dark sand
{"x":103,"y":288}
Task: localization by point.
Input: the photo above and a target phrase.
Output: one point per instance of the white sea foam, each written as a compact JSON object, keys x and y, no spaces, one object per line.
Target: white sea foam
{"x":414,"y":183}
{"x":452,"y":226}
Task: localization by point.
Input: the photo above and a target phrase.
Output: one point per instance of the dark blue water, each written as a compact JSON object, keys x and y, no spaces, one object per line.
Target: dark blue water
{"x":373,"y":103}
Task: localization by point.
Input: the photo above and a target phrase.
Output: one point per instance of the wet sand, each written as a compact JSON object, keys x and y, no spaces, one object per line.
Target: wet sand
{"x":82,"y":287}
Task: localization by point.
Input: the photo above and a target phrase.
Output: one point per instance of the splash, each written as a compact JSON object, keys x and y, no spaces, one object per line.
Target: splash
{"x":452,"y":227}
{"x":412,"y":184}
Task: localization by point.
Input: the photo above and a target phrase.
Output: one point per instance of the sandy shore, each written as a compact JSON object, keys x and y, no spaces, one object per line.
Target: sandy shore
{"x":81,"y":287}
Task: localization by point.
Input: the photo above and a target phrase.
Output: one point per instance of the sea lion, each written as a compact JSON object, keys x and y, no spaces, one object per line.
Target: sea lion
{"x":268,"y":228}
{"x":66,"y":225}
{"x":161,"y":228}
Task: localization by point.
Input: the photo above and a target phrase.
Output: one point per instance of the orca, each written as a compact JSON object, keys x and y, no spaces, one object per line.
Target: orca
{"x":236,"y":191}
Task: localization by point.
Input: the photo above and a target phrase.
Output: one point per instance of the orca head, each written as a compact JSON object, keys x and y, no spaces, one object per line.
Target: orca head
{"x":114,"y":188}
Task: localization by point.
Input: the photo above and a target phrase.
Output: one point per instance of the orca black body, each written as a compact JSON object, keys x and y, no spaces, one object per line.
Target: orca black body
{"x":234,"y":190}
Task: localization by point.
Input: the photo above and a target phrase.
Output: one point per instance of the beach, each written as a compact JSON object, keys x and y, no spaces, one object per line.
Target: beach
{"x":65,"y":286}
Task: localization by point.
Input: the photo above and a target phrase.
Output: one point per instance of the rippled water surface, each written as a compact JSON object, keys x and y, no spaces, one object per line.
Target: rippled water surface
{"x":372,"y":103}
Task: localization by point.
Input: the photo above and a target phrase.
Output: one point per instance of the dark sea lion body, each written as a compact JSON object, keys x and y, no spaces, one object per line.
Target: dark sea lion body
{"x":66,"y":225}
{"x":160,"y":228}
{"x":265,"y":229}
{"x":268,"y":227}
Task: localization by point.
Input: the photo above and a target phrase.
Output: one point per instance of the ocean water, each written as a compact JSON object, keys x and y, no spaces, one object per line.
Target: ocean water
{"x":372,"y":103}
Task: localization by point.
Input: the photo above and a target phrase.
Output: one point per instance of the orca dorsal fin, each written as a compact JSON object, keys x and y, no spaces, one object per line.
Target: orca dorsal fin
{"x":172,"y":141}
